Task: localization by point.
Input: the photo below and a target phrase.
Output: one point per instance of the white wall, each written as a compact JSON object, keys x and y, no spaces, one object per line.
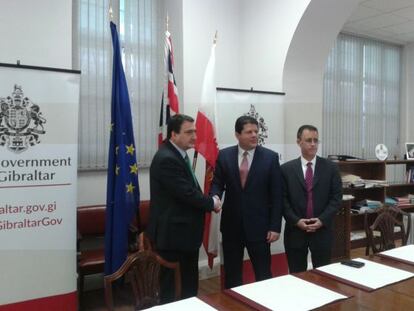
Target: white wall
{"x":92,"y":187}
{"x":266,"y":30}
{"x":38,"y":33}
{"x":200,"y":21}
{"x":253,"y":39}
{"x":305,"y":63}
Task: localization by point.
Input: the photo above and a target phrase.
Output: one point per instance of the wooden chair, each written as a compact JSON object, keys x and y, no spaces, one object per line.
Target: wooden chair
{"x":91,"y":231}
{"x":144,"y":243}
{"x":386,"y":229}
{"x":142,"y":271}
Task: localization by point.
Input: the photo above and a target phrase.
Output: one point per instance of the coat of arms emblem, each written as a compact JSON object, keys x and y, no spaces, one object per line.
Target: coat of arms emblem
{"x":262,"y":124}
{"x":21,"y":122}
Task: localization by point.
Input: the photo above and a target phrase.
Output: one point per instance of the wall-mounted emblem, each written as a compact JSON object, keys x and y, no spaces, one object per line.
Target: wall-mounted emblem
{"x":262,"y":124}
{"x":21,"y":122}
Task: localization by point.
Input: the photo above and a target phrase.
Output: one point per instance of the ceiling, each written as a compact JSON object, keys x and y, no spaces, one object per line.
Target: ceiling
{"x":389,"y":20}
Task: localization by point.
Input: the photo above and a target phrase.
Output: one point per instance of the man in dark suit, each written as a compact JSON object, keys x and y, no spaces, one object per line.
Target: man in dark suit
{"x":177,"y":207}
{"x":312,"y":196}
{"x":252,"y":207}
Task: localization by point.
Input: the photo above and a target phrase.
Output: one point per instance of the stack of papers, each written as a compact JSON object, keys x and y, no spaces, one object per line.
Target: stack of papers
{"x":371,"y":276}
{"x":189,"y":304}
{"x":354,"y":181}
{"x":404,"y":254}
{"x":369,"y":206}
{"x":281,"y":293}
{"x":369,"y":183}
{"x":346,"y":197}
{"x":349,"y":179}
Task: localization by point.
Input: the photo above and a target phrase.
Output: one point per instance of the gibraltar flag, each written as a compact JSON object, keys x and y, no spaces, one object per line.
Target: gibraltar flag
{"x":206,"y":145}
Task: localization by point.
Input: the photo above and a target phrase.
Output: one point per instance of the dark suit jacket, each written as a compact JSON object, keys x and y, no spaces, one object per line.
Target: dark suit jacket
{"x":327,"y":196}
{"x":257,"y":208}
{"x":177,"y":205}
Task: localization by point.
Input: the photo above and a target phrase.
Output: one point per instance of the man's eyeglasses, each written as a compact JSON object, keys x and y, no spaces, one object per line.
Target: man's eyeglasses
{"x":312,"y":140}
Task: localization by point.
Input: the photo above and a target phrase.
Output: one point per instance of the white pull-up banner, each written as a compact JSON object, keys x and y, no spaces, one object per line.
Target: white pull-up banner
{"x":38,"y":175}
{"x":268,"y":109}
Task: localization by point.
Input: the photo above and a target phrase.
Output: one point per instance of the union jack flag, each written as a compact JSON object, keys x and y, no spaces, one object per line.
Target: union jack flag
{"x":169,"y":100}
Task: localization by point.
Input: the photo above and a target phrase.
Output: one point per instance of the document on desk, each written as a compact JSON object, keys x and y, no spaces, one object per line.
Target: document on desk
{"x":404,"y":254}
{"x":369,"y":277}
{"x":189,"y":304}
{"x":281,"y":293}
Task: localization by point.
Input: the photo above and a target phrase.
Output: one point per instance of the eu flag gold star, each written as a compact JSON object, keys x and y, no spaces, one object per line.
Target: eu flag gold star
{"x":133,"y":169}
{"x":130,"y":149}
{"x":111,"y":127}
{"x":117,"y":170}
{"x":116,"y":150}
{"x":130,"y":188}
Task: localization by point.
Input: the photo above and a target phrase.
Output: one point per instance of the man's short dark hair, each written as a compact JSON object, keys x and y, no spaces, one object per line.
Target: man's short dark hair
{"x":241,"y":121}
{"x":174,"y":124}
{"x":305,"y":127}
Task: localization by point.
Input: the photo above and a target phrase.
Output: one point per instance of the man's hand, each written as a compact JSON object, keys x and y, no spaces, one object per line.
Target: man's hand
{"x":302,"y":224}
{"x":314,"y":224}
{"x":217,"y":204}
{"x":309,"y":225}
{"x":272,"y":236}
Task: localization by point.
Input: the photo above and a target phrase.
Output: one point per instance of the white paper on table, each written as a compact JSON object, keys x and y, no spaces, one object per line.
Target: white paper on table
{"x":288,"y":293}
{"x":373,"y":275}
{"x":190,"y":304}
{"x":404,"y":253}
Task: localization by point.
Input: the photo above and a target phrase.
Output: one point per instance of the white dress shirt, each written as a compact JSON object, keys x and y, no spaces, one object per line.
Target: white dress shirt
{"x":250,"y":155}
{"x":305,"y":166}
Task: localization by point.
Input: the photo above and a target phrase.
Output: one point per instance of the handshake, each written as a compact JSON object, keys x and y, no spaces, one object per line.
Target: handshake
{"x":217,"y":204}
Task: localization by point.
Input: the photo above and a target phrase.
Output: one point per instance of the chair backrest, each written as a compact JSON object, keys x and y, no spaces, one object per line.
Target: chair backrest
{"x":142,"y":271}
{"x":144,"y":214}
{"x":145,"y":243}
{"x":91,"y":220}
{"x":389,"y":218}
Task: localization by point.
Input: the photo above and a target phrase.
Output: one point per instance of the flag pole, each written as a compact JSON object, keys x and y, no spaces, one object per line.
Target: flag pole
{"x":195,"y":158}
{"x":111,"y":15}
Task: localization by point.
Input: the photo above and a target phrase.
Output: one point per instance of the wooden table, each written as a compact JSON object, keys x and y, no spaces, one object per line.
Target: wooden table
{"x":398,"y":296}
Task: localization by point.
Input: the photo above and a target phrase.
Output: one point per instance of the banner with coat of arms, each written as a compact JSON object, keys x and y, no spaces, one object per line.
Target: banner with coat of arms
{"x":38,"y":183}
{"x":268,"y":109}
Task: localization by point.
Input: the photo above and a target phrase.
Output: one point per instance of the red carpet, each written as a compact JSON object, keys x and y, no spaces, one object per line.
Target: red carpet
{"x":65,"y":302}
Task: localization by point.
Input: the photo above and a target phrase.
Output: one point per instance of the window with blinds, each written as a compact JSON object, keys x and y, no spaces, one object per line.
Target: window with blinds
{"x":140,"y":26}
{"x":361,"y":97}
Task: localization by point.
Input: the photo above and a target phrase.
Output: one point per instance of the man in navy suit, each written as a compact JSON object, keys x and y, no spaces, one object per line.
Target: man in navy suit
{"x":312,"y":196}
{"x":177,"y":207}
{"x":251,"y":217}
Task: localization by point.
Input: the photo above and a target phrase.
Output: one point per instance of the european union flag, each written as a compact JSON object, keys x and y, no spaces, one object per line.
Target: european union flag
{"x":122,"y":186}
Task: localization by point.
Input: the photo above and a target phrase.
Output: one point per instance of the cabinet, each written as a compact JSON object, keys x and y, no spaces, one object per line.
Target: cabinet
{"x":374,"y":170}
{"x":342,"y":244}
